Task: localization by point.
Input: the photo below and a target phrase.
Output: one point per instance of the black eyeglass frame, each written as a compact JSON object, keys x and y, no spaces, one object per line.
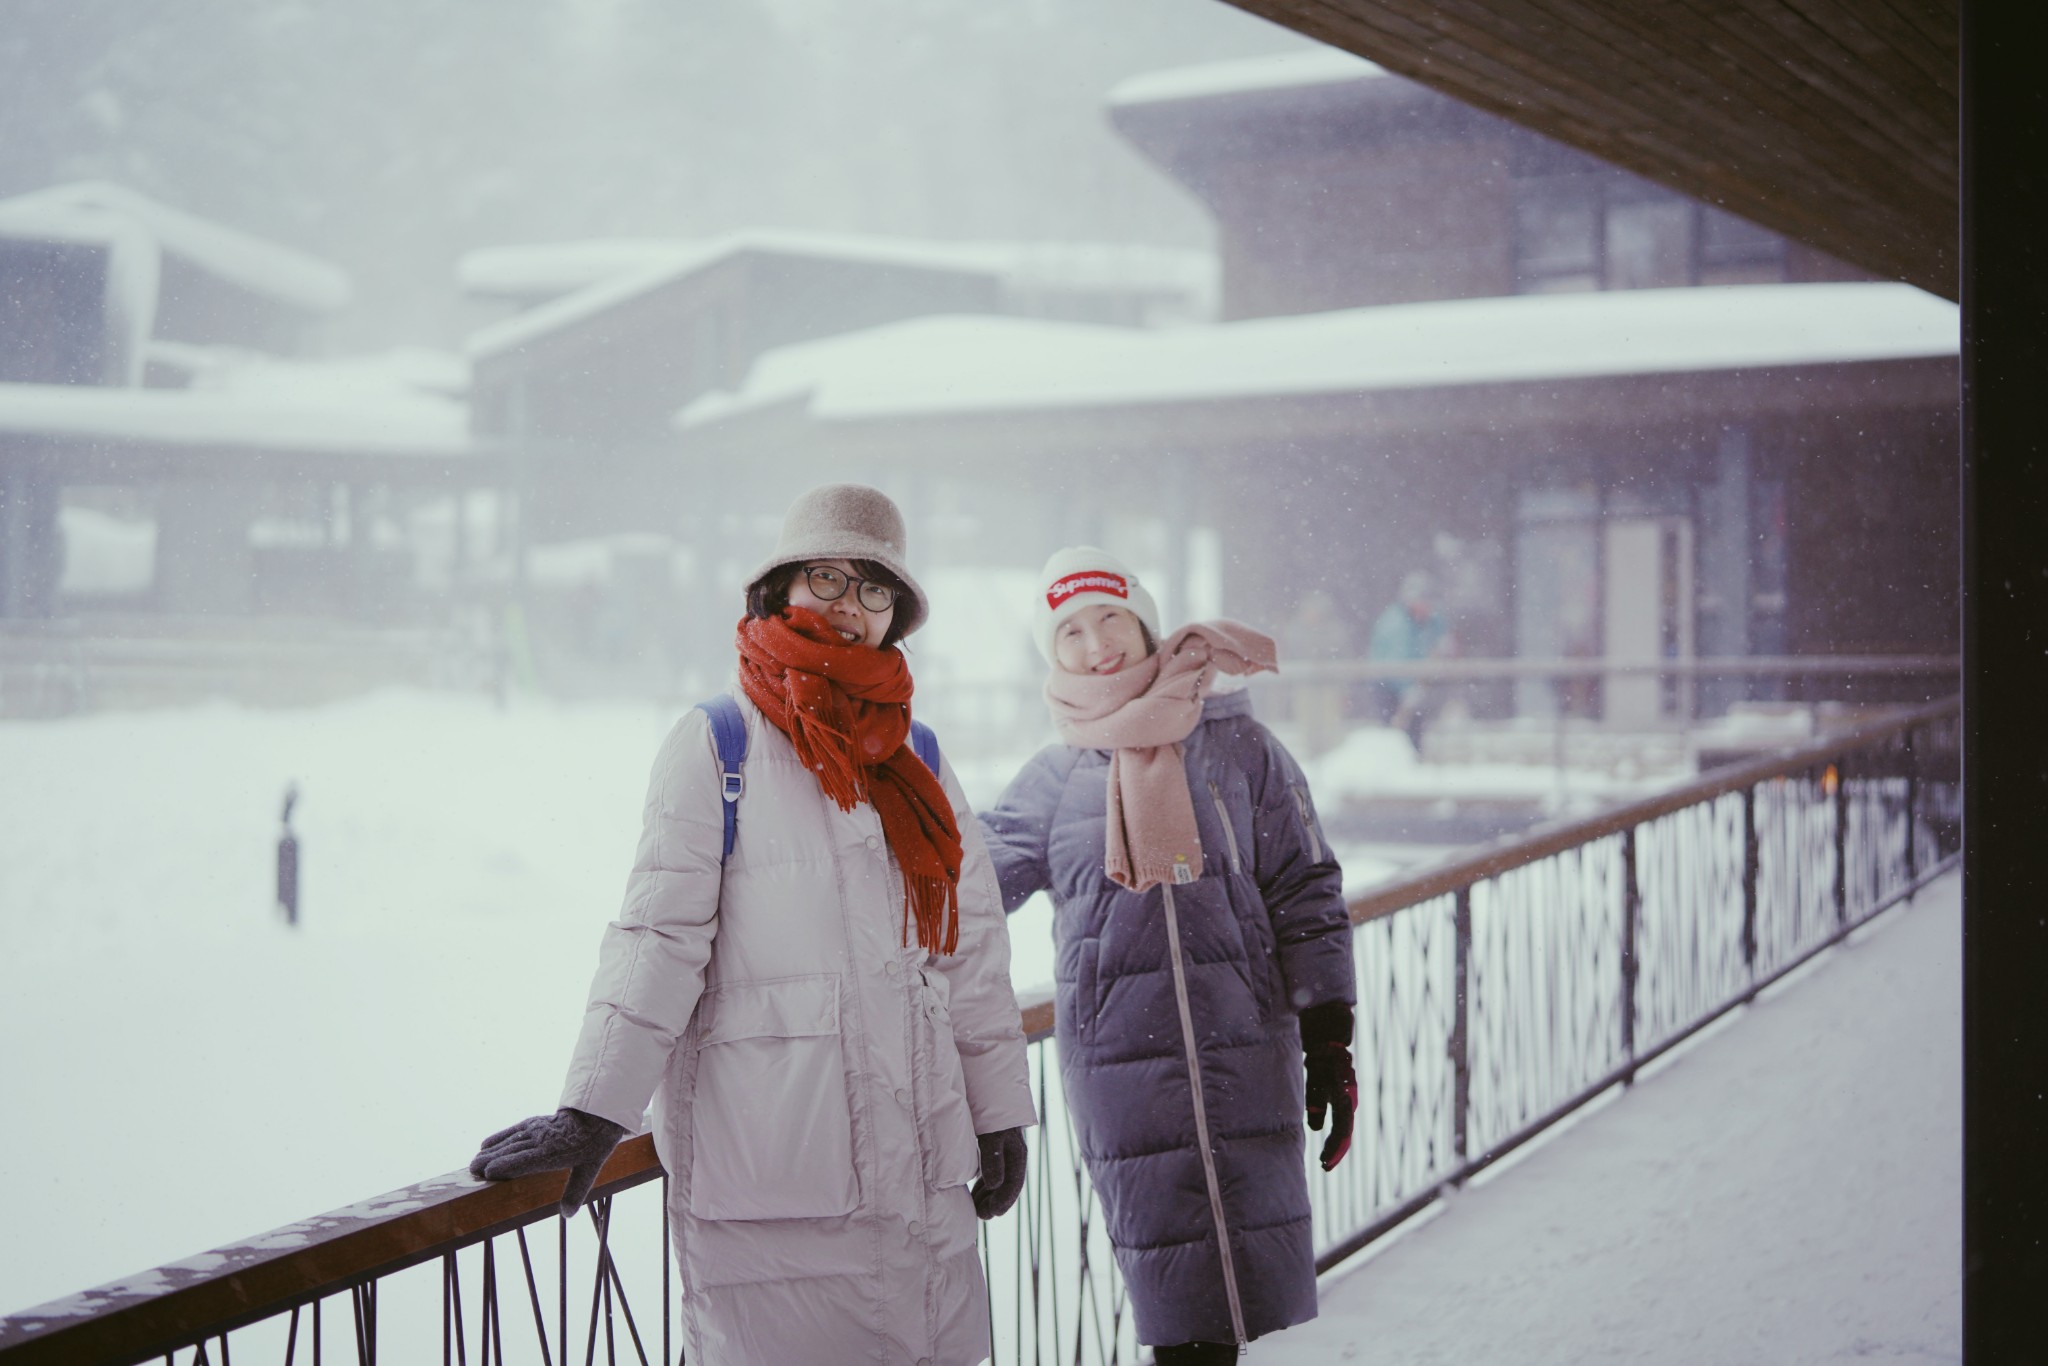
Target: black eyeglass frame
{"x":860,"y":587}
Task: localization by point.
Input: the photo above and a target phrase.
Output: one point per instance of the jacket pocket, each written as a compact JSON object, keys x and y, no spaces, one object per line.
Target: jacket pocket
{"x":772,"y":1130}
{"x":946,"y":1141}
{"x":1075,"y":1000}
{"x":1309,"y":839}
{"x":1229,"y":830}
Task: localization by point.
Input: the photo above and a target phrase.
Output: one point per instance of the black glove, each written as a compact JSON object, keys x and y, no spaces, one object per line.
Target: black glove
{"x":1332,"y":1085}
{"x":548,"y":1143}
{"x":1003,"y":1156}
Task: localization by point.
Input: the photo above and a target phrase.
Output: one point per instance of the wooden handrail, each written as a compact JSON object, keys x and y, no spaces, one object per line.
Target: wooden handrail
{"x":173,"y":1306}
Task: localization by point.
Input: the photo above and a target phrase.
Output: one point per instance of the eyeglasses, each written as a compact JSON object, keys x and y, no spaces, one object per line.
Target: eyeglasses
{"x":829,"y":585}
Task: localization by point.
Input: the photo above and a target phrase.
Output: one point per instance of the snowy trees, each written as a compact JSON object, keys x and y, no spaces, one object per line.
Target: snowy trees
{"x":390,"y":135}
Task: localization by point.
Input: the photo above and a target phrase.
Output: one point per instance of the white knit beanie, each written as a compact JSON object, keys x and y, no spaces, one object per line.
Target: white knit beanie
{"x":1087,"y":576}
{"x":849,"y":522}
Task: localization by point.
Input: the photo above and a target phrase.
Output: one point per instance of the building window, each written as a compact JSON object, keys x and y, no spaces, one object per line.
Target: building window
{"x":1649,"y":243}
{"x":1587,"y":231}
{"x":1557,"y":235}
{"x":1735,"y":251}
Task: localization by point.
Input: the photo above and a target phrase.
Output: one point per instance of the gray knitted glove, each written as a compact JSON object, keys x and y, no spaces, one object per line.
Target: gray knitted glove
{"x":1003,"y":1156}
{"x":548,"y":1143}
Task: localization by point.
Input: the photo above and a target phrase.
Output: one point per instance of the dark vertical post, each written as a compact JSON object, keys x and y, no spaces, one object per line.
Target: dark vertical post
{"x":1840,"y":769}
{"x":1461,"y":1061}
{"x":288,"y":860}
{"x":1749,"y":868}
{"x":1631,"y":911}
{"x":2005,"y":676}
{"x":1912,"y":809}
{"x":668,"y":1311}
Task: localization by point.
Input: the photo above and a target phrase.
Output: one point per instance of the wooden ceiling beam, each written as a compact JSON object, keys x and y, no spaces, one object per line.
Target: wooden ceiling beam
{"x":1832,"y":123}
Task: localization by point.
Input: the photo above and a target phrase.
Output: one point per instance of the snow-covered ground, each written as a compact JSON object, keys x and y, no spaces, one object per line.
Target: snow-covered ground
{"x":180,"y":1070}
{"x":1785,"y":1189}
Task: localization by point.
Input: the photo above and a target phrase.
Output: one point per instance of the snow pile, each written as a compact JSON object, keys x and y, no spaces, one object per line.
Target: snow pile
{"x":1378,"y":761}
{"x":973,"y":364}
{"x":104,"y":554}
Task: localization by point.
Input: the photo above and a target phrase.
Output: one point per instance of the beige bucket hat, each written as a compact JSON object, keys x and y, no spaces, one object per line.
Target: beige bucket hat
{"x":849,"y":522}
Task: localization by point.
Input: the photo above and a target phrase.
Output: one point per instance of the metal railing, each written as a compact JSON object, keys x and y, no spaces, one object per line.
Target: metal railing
{"x":1498,"y":992}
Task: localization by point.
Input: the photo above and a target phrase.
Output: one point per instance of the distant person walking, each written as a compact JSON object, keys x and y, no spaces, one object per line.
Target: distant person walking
{"x":817,"y":994}
{"x":1410,"y":628}
{"x":1203,"y":957}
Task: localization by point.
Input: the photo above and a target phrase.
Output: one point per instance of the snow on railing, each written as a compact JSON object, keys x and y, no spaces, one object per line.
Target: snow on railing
{"x":1498,"y":991}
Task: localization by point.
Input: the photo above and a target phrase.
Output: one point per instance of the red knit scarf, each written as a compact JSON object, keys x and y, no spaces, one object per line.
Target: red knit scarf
{"x":846,"y":709}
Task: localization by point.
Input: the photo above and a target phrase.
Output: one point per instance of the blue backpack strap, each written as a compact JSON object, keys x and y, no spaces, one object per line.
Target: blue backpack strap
{"x":926,"y":745}
{"x":729,"y":733}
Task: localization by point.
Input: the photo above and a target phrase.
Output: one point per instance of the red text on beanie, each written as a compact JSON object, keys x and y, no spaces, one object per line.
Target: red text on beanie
{"x":1087,"y":576}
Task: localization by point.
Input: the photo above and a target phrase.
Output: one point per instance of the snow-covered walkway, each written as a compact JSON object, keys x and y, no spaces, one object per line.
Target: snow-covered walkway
{"x":1787,"y":1189}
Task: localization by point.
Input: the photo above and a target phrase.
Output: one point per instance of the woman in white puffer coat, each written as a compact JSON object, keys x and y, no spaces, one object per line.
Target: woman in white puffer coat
{"x":823,"y":1017}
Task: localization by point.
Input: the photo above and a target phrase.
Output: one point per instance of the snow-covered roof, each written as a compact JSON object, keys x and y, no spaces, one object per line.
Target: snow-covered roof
{"x":361,"y":405}
{"x":595,"y":275}
{"x":621,"y":269}
{"x":553,"y":268}
{"x":250,"y":262}
{"x":962,"y":364}
{"x":378,"y":377}
{"x":1282,"y":71}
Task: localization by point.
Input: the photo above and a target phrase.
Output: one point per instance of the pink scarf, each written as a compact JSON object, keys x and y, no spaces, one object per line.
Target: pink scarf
{"x":1141,"y":715}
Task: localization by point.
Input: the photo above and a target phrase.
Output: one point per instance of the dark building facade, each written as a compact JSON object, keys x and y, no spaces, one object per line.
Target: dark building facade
{"x":1614,"y":423}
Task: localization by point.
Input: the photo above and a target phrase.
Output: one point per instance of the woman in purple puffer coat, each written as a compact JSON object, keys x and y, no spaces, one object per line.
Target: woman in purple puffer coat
{"x":1203,"y":973}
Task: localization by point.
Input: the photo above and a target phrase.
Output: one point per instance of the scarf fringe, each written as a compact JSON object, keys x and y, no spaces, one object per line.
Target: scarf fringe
{"x":933,"y":903}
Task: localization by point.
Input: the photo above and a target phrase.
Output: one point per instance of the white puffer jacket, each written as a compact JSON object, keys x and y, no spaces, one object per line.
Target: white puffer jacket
{"x":821,"y":1085}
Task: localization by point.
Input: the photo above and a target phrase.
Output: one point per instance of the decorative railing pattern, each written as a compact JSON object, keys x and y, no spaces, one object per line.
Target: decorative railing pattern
{"x":1497,"y":993}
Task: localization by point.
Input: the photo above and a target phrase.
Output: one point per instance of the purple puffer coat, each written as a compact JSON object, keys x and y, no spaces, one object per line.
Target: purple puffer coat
{"x":1263,"y":934}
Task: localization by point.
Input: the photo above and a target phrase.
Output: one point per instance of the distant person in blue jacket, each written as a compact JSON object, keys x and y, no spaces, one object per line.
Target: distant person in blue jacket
{"x":1411,"y":627}
{"x":1203,"y":967}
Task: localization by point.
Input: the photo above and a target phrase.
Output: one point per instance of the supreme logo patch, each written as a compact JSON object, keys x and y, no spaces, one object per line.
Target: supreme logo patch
{"x":1087,"y":581}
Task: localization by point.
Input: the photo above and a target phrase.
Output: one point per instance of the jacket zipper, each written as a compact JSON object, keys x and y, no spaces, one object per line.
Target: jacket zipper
{"x":1187,"y":1038}
{"x":1308,"y":824}
{"x":1229,"y":832}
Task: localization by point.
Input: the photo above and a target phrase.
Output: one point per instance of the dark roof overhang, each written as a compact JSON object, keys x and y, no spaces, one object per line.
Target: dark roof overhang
{"x":1833,"y":124}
